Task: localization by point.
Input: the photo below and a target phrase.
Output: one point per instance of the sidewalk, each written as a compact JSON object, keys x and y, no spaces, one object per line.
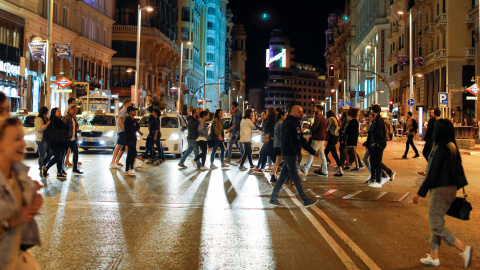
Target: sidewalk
{"x":474,"y":152}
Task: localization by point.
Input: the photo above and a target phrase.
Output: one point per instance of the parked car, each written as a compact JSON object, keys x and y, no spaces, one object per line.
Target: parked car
{"x":256,"y":138}
{"x":97,"y":131}
{"x":174,"y":134}
{"x":28,"y":123}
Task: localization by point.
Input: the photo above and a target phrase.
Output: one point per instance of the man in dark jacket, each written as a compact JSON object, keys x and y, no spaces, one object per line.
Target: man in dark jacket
{"x":234,"y":131}
{"x":377,"y":145}
{"x":292,"y":144}
{"x":434,"y":115}
{"x":149,"y":147}
{"x":131,"y":129}
{"x":72,"y":143}
{"x":319,"y":135}
{"x":192,"y":124}
{"x":411,"y":130}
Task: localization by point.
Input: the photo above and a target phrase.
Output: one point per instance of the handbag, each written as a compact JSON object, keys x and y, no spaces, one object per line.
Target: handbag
{"x":460,"y":208}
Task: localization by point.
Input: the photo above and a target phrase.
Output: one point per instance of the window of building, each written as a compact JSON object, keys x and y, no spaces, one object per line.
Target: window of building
{"x":55,"y":13}
{"x":211,"y":10}
{"x":210,"y":25}
{"x":65,"y":18}
{"x":185,"y":14}
{"x":210,"y":57}
{"x":210,"y":74}
{"x":84,"y":27}
{"x":210,"y":41}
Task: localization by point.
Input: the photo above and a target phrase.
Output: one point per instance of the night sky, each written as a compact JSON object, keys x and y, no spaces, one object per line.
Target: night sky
{"x":303,"y":21}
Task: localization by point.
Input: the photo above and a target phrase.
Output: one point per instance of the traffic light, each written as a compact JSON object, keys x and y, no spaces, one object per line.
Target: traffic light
{"x":391,"y":105}
{"x":331,"y":71}
{"x":453,"y":112}
{"x":312,"y":101}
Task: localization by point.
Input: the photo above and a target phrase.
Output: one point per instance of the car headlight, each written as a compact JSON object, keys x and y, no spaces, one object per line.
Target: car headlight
{"x":110,"y":133}
{"x":257,"y":138}
{"x":174,"y":137}
{"x":29,"y":137}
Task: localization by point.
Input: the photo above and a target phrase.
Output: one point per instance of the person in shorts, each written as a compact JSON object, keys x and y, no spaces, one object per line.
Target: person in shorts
{"x":121,"y":143}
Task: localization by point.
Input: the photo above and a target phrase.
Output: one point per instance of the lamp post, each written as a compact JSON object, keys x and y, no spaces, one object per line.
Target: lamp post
{"x":356,"y":86}
{"x":375,"y":86}
{"x":205,"y":84}
{"x":410,"y":54}
{"x":137,"y":62}
{"x":336,"y":101}
{"x":179,"y":101}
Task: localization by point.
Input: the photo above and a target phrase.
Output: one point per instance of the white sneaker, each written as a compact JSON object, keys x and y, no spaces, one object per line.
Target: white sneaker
{"x":130,"y":173}
{"x":115,"y":166}
{"x":467,"y":256}
{"x":203,"y":168}
{"x":375,"y":185}
{"x":429,"y":261}
{"x":137,"y":165}
{"x":213,"y":166}
{"x":194,"y":163}
{"x":385,"y":179}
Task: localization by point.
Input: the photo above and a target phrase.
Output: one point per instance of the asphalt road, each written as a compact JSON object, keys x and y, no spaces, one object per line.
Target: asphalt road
{"x":171,"y":218}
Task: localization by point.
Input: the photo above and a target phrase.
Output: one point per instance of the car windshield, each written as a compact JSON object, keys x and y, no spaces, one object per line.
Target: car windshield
{"x":96,"y":120}
{"x":28,"y":120}
{"x":169,"y":122}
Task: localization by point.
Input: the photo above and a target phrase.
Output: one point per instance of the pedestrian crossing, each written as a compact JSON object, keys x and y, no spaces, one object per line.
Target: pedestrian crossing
{"x":361,"y":195}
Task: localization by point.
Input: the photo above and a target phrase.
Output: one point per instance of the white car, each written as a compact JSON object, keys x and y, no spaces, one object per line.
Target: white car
{"x":97,"y":131}
{"x":256,"y":138}
{"x":173,"y":128}
{"x":28,"y":122}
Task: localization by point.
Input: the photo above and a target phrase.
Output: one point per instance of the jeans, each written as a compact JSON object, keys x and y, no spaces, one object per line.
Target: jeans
{"x":161,"y":154}
{"x":332,"y":148}
{"x":247,"y":153}
{"x":59,"y":153}
{"x":43,"y":153}
{"x":342,"y":152}
{"x":290,"y":166}
{"x":192,"y":146}
{"x":376,"y":155}
{"x":385,"y":169}
{"x":410,"y":142}
{"x":427,"y":149}
{"x":234,"y":140}
{"x":265,"y":153}
{"x":131,"y":154}
{"x":148,"y":148}
{"x":217,"y":144}
{"x":440,"y":200}
{"x":73,"y":145}
{"x":319,"y":147}
{"x":204,"y":147}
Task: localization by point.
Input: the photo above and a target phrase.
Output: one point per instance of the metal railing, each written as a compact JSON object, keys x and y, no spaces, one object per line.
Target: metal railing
{"x":470,"y":53}
{"x":146,"y":31}
{"x":441,"y":19}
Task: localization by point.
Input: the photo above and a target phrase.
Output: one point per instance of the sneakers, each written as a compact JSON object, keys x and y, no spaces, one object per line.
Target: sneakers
{"x":275,"y":202}
{"x":321,"y":174}
{"x":392,"y":176}
{"x":310,"y":202}
{"x":227,"y":160}
{"x":385,"y":179}
{"x":203,"y":168}
{"x":273,"y":179}
{"x":61,"y":176}
{"x":115,"y":166}
{"x":355,"y":169}
{"x":416,"y":156}
{"x":429,"y":261}
{"x":137,"y":165}
{"x":77,"y":172}
{"x":130,"y":173}
{"x":224,"y":165}
{"x":239,"y":161}
{"x":375,"y":185}
{"x":213,"y":166}
{"x":158,"y":162}
{"x":194,"y":163}
{"x":242,"y":168}
{"x":467,"y":256}
{"x":182,"y":165}
{"x":370,"y":181}
{"x":404,"y":156}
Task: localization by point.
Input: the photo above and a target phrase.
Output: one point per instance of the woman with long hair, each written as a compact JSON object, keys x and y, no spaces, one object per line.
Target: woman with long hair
{"x":351,"y":137}
{"x":58,"y":132}
{"x":332,"y":139}
{"x":269,"y":135}
{"x":218,"y":139}
{"x":445,"y":175}
{"x":246,"y":127}
{"x":277,"y":144}
{"x":19,"y":200}
{"x":202,"y":139}
{"x":41,"y":137}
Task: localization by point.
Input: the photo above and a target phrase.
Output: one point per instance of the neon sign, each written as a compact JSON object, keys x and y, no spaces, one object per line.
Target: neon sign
{"x":281,"y":56}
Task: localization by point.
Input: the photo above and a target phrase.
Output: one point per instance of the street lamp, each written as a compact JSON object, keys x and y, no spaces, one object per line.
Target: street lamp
{"x":179,"y":103}
{"x":137,"y":62}
{"x":375,"y":86}
{"x":410,"y":54}
{"x":205,"y":84}
{"x":336,"y":101}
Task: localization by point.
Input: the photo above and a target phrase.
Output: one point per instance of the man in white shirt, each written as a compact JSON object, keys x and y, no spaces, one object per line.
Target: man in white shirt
{"x":72,"y":143}
{"x":121,"y":143}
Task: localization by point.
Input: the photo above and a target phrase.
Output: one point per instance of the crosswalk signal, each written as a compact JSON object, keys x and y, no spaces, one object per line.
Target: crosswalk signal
{"x":331,"y":71}
{"x":312,"y":101}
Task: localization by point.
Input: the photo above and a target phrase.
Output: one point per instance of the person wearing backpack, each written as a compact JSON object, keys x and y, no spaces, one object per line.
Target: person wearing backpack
{"x":411,"y":130}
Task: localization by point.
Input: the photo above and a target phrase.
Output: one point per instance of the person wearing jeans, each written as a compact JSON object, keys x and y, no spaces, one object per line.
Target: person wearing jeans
{"x":58,"y":143}
{"x":131,"y":128}
{"x":217,"y":128}
{"x":192,"y":135}
{"x":202,"y":139}
{"x":234,"y":131}
{"x":267,"y":151}
{"x":72,"y":143}
{"x":377,"y":145}
{"x":411,"y":129}
{"x":319,"y":135}
{"x":41,"y":136}
{"x":246,"y":127}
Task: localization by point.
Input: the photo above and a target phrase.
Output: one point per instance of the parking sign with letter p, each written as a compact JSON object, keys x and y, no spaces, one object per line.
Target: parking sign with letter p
{"x":443,"y":100}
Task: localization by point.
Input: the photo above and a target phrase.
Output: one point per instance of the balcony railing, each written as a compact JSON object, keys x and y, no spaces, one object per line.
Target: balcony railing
{"x":437,"y":55}
{"x":470,"y":54}
{"x":146,"y":31}
{"x":429,"y":29}
{"x":441,"y":19}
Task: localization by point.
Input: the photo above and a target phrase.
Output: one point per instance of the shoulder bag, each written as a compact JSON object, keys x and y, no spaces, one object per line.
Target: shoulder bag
{"x":460,"y":208}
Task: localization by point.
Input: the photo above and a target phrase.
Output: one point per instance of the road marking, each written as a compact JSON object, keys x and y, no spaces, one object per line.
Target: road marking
{"x":315,"y":194}
{"x":330,"y":241}
{"x":404,"y":197}
{"x":349,"y":196}
{"x":380,"y":195}
{"x":330,"y":192}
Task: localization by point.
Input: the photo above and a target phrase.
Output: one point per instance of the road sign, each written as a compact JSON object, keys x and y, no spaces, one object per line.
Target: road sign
{"x":349,"y":103}
{"x":443,"y":100}
{"x":63,"y":82}
{"x":340,"y":104}
{"x":411,"y":102}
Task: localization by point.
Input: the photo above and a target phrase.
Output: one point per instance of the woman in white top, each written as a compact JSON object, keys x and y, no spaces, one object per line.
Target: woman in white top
{"x":246,"y":128}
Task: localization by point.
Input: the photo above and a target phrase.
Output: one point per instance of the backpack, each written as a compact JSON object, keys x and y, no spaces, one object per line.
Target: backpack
{"x":415,"y":125}
{"x":388,"y":131}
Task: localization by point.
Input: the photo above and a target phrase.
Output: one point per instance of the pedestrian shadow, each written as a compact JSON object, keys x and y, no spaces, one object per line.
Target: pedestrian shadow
{"x":230,"y":191}
{"x":51,"y":190}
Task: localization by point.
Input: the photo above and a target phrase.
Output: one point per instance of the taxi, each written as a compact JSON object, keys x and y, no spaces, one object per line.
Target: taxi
{"x":97,"y":130}
{"x":256,"y":138}
{"x":28,"y":123}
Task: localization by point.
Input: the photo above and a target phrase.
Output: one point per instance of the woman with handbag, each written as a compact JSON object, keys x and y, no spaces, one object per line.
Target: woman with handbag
{"x":246,"y":128}
{"x":58,"y":143}
{"x":444,"y":177}
{"x":332,"y":140}
{"x":268,"y":136}
{"x":19,"y":201}
{"x":218,"y":135}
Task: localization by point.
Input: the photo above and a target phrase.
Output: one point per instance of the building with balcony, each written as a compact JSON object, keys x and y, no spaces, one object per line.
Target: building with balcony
{"x":290,"y":82}
{"x":159,"y":52}
{"x":85,"y":25}
{"x":443,"y":33}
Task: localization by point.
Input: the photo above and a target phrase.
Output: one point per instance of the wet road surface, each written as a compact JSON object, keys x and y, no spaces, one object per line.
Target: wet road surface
{"x":171,"y":218}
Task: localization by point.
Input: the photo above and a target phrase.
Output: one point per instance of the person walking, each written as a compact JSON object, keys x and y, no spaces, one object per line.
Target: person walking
{"x":377,"y":145}
{"x":120,"y":148}
{"x":268,"y":136}
{"x":71,"y":102}
{"x":341,"y":134}
{"x":20,"y":201}
{"x":202,"y":130}
{"x":277,"y":144}
{"x":192,"y":135}
{"x":218,"y":139}
{"x":158,"y":155}
{"x":434,"y":114}
{"x":246,"y":128}
{"x":411,"y":130}
{"x":58,"y":131}
{"x":445,"y":175}
{"x":41,"y":137}
{"x":351,"y":138}
{"x":72,"y":143}
{"x":131,"y":128}
{"x":292,"y":143}
{"x":234,"y":132}
{"x":319,"y":136}
{"x":149,"y":147}
{"x":332,"y":128}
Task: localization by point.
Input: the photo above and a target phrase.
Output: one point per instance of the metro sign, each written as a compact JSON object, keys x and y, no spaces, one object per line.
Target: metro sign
{"x":63,"y":82}
{"x":281,"y":56}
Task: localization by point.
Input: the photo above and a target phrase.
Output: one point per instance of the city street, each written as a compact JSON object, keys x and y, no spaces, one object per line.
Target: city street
{"x":172,"y":218}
